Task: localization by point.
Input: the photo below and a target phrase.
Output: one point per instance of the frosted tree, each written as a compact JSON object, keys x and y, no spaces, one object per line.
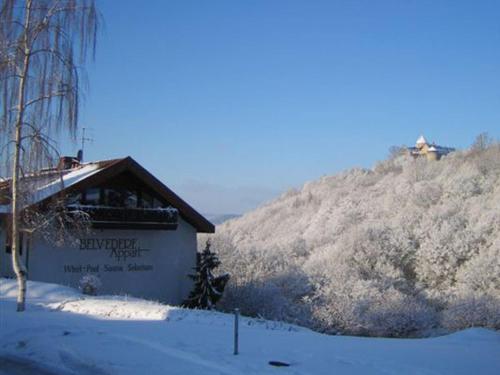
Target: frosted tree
{"x":375,"y":252}
{"x":208,"y":289}
{"x":481,"y":142}
{"x":42,"y":43}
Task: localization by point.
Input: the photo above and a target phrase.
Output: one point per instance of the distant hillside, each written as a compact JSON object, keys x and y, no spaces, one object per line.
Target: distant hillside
{"x":218,"y":219}
{"x":405,"y":247}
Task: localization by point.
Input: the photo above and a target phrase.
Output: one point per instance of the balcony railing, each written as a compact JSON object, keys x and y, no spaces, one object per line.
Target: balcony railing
{"x":129,"y":218}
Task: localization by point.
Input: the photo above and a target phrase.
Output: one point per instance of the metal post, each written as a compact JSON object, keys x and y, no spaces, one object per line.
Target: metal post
{"x":236,"y":316}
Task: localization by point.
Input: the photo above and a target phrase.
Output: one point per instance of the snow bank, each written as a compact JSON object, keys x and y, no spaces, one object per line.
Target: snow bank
{"x":132,"y":336}
{"x":38,"y":292}
{"x":62,"y":298}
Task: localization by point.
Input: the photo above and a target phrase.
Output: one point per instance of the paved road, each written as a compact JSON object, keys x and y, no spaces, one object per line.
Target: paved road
{"x":18,"y":366}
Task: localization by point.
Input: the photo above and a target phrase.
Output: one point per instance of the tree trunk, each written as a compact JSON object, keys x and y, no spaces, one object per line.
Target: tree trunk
{"x":17,"y":265}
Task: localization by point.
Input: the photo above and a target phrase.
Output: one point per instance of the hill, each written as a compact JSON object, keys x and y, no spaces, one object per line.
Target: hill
{"x":218,"y":219}
{"x":64,"y":332}
{"x":398,"y":250}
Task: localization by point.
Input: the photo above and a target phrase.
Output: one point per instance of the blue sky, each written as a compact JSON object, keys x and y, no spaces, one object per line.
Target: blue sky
{"x":232,"y":102}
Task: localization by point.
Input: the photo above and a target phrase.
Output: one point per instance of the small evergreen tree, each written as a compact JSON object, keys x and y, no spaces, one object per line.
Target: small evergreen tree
{"x":208,"y":289}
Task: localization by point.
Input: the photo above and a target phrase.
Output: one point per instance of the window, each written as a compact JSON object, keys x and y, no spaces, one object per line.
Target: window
{"x":117,"y":197}
{"x":146,"y":200}
{"x":157,"y":203}
{"x":93,"y":196}
{"x":112,"y":198}
{"x":75,"y":198}
{"x":130,"y":199}
{"x":8,"y":245}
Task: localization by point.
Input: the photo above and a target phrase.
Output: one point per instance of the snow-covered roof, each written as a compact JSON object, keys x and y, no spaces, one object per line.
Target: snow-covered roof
{"x":445,"y":150}
{"x":421,"y":140}
{"x":64,"y":181}
{"x":51,"y":182}
{"x":432,"y":149}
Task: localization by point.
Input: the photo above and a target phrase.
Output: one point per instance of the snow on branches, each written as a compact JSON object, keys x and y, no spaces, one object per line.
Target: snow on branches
{"x":395,"y":251}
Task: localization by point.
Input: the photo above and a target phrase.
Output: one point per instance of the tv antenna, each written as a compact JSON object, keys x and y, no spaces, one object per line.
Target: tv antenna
{"x":85,"y":139}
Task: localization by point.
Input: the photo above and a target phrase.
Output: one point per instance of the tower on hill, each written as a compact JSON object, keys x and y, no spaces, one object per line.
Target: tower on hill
{"x":430,"y":151}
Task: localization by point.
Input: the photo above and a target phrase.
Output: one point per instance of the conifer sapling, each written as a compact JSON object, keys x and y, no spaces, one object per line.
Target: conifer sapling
{"x":208,"y":289}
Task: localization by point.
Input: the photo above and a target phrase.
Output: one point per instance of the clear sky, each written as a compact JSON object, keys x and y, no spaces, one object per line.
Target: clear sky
{"x":232,"y":102}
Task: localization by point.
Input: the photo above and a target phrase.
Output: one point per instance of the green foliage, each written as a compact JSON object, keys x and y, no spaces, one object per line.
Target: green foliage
{"x":208,"y":289}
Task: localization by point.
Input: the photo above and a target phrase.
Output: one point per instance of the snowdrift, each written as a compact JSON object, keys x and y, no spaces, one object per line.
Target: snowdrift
{"x":64,"y":332}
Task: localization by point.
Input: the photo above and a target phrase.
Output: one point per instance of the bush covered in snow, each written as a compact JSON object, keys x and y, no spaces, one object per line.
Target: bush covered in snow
{"x":395,"y":251}
{"x":89,"y":284}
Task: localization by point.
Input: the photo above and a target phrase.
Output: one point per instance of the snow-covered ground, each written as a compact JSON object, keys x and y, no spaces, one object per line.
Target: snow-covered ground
{"x":67,"y":333}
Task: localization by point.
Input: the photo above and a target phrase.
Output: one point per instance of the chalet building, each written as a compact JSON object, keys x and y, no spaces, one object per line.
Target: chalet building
{"x":430,"y":151}
{"x":142,"y":240}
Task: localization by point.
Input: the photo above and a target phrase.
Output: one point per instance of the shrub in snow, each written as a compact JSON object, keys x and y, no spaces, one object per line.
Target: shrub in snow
{"x":267,"y":298}
{"x":89,"y":284}
{"x":472,"y":310}
{"x":208,"y":289}
{"x":395,"y":314}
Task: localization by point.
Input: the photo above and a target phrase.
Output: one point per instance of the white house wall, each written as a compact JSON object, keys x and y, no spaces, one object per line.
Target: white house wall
{"x":152,"y":264}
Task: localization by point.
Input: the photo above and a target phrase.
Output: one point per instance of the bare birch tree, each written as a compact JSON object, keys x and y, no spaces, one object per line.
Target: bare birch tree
{"x":43,"y":44}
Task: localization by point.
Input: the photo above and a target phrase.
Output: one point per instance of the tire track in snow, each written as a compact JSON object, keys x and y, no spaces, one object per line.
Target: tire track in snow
{"x":180,"y":354}
{"x":79,"y":365}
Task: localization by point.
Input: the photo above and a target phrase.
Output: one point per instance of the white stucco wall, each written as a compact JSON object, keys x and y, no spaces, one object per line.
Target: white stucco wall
{"x":152,"y":264}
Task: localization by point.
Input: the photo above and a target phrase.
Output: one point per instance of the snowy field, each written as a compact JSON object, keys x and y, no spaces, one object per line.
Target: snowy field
{"x":63,"y":332}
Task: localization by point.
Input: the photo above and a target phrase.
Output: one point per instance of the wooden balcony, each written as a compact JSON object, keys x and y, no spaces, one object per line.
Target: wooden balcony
{"x":105,"y":217}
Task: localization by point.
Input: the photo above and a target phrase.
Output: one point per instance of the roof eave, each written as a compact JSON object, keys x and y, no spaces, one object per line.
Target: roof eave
{"x":112,"y":168}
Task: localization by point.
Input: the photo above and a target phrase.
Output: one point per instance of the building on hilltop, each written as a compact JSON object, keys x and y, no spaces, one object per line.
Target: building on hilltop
{"x":430,"y":151}
{"x":142,"y":240}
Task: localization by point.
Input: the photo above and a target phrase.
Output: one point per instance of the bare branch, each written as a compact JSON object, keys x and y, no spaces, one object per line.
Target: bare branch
{"x":46,"y":97}
{"x":39,"y":98}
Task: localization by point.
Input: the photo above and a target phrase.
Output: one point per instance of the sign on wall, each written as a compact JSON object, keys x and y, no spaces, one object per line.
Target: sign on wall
{"x":122,"y":255}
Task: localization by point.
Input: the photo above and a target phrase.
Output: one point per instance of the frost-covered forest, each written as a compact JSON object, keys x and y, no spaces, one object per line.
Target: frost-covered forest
{"x":404,"y":249}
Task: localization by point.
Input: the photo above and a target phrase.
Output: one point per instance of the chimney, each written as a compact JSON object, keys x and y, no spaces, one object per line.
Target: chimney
{"x":68,"y":162}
